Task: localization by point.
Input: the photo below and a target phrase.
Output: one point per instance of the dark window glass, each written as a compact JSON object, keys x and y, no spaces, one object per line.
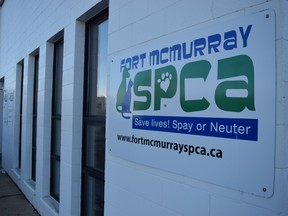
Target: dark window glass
{"x":20,"y":120}
{"x":97,"y":67}
{"x":55,"y":181}
{"x":56,"y":127}
{"x":95,"y":146}
{"x":94,"y":114}
{"x":57,"y":80}
{"x":56,"y":120}
{"x":34,"y":123}
{"x":95,"y":196}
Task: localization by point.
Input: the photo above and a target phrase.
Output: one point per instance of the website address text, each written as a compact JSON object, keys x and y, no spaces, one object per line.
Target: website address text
{"x":180,"y":148}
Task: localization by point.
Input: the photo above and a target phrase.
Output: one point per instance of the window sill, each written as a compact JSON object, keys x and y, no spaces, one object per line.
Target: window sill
{"x":52,"y":204}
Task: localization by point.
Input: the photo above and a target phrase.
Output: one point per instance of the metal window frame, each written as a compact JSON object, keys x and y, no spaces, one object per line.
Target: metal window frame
{"x":34,"y":117}
{"x":21,"y":64}
{"x":54,"y":117}
{"x":89,"y":119}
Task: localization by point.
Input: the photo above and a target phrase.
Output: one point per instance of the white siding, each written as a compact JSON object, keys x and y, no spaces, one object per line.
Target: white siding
{"x":156,"y":192}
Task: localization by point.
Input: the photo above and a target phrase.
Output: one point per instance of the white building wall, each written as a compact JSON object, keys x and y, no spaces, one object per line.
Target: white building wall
{"x":131,"y":189}
{"x":134,"y":189}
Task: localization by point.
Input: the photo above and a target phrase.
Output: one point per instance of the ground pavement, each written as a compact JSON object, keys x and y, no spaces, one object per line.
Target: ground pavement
{"x":12,"y":201}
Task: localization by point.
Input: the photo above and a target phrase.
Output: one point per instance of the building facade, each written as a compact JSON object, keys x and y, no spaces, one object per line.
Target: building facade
{"x":146,"y":107}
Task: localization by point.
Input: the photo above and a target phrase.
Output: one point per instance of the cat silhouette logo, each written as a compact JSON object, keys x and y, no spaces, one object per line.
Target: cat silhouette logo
{"x":123,"y":99}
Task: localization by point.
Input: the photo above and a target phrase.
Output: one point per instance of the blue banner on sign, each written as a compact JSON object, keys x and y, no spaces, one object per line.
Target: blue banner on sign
{"x":242,"y":129}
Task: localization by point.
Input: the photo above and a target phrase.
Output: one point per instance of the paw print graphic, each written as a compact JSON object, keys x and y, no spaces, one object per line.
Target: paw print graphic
{"x":165,"y":81}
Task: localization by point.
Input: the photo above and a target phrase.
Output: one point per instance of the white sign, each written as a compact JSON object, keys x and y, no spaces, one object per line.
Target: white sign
{"x":200,"y":103}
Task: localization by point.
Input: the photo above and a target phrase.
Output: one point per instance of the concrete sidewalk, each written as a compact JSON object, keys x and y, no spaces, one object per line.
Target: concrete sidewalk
{"x":12,"y":201}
